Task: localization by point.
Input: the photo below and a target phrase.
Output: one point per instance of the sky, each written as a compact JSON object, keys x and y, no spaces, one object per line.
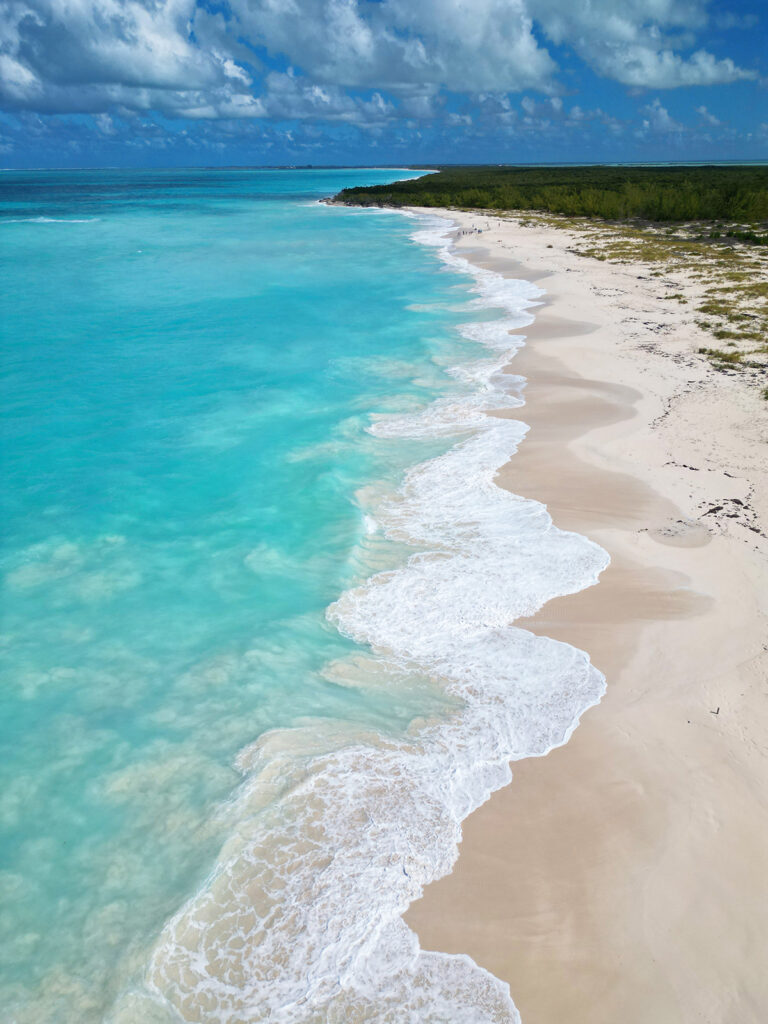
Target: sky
{"x":146,"y":83}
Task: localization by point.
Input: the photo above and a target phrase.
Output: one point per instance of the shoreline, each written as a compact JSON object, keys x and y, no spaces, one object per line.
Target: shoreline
{"x":297,"y":878}
{"x":620,"y":877}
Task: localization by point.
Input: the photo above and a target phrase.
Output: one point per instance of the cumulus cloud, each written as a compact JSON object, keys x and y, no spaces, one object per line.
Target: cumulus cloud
{"x":552,"y":107}
{"x":552,"y":112}
{"x":635,"y":42}
{"x":398,"y":44}
{"x":92,"y":55}
{"x":353,"y":61}
{"x":105,"y":124}
{"x":180,"y":59}
{"x":640,"y":66}
{"x":657,"y":118}
{"x":707,"y":117}
{"x":289,"y":97}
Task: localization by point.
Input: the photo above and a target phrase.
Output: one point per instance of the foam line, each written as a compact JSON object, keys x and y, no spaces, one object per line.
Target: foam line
{"x":334,"y":836}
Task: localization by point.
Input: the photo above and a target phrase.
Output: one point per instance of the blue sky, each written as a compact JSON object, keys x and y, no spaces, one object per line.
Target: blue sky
{"x":216,"y":82}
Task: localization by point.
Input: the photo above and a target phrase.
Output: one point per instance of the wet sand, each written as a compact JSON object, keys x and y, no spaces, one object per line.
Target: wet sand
{"x":621,"y":877}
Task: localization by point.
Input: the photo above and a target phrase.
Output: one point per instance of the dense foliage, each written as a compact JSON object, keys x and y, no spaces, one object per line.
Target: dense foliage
{"x":734,"y":194}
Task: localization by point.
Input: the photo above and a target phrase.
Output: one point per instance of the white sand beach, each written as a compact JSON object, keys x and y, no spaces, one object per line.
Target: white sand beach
{"x":622,"y":877}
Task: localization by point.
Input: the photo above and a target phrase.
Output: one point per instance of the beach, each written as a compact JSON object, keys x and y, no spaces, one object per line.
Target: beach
{"x":621,"y":877}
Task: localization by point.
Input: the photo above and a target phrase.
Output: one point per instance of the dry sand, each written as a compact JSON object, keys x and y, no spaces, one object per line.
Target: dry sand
{"x":622,"y":878}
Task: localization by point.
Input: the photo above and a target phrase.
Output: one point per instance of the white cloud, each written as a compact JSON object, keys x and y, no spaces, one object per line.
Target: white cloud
{"x":288,"y":97}
{"x":707,"y":117}
{"x":552,"y":112}
{"x":105,"y":124}
{"x":354,"y":59}
{"x":17,"y":79}
{"x":89,"y":55}
{"x":552,"y":107}
{"x":657,"y":118}
{"x":644,"y":68}
{"x":634,"y":42}
{"x":398,"y":44}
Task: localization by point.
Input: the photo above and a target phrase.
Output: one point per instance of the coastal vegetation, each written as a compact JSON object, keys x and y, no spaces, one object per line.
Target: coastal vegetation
{"x":737,"y":195}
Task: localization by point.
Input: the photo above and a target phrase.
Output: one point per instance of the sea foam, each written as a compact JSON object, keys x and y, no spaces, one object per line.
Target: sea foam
{"x":52,"y":220}
{"x":334,"y":834}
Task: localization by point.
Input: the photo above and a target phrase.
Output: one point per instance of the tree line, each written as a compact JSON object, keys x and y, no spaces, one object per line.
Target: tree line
{"x":662,"y":194}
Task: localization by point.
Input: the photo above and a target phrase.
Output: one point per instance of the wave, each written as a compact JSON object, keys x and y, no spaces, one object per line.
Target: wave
{"x":334,"y":834}
{"x":52,"y":220}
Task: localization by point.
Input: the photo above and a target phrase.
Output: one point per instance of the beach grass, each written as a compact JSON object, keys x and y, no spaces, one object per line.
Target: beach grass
{"x":733,"y":305}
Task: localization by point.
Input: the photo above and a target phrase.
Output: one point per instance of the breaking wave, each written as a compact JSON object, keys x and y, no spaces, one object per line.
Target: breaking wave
{"x":334,"y":834}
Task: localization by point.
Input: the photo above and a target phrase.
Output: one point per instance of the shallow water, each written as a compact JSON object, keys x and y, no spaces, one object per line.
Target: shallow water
{"x":217,"y":799}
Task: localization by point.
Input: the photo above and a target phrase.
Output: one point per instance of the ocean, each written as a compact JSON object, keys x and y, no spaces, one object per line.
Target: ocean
{"x":258,"y":588}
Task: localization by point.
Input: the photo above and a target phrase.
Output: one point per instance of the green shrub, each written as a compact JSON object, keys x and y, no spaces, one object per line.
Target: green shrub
{"x":662,"y":194}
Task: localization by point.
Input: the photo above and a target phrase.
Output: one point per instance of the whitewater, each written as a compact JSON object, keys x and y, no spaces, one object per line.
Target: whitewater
{"x":301,"y":918}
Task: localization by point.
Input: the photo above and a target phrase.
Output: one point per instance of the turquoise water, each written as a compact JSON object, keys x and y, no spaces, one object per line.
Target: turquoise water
{"x":190,"y":360}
